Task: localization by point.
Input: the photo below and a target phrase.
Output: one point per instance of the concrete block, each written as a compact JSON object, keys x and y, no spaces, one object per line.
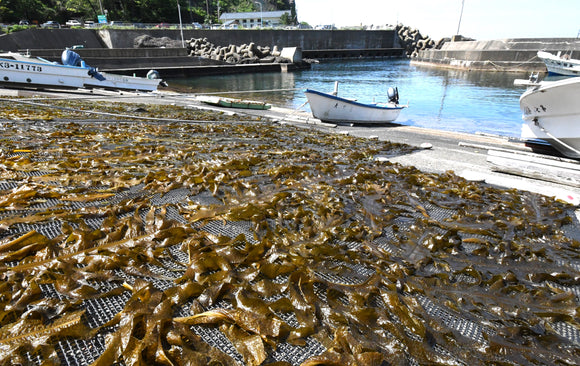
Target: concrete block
{"x":293,"y":54}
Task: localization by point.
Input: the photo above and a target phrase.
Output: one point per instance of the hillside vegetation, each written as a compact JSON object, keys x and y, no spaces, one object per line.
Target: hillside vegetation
{"x":138,"y":11}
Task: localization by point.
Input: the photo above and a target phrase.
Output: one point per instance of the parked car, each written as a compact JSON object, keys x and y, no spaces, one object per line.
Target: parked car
{"x":23,"y":22}
{"x":120,"y":24}
{"x":50,"y":24}
{"x":196,"y":25}
{"x":89,"y":24}
{"x":73,"y":23}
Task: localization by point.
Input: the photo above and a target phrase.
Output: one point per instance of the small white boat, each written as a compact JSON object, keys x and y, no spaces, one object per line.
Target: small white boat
{"x":331,"y":108}
{"x":551,"y":112}
{"x":560,"y":65}
{"x":18,"y":70}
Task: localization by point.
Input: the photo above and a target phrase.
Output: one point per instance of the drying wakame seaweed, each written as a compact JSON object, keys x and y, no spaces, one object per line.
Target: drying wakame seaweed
{"x":228,"y":243}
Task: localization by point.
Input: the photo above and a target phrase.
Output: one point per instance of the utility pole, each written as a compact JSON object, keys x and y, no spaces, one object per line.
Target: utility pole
{"x":261,"y":15}
{"x":218,"y":10}
{"x":206,"y":11}
{"x":180,"y":24}
{"x":460,"y":16}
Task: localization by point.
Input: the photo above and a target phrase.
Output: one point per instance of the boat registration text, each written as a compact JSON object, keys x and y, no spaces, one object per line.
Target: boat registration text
{"x":24,"y":67}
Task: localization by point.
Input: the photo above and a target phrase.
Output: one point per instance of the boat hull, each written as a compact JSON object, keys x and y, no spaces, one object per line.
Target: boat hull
{"x":551,"y":112}
{"x":38,"y":73}
{"x":329,"y":108}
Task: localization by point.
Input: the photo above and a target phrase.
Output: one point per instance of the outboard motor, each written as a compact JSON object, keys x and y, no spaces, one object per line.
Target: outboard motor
{"x":70,"y":58}
{"x":393,"y":94}
{"x":154,"y":74}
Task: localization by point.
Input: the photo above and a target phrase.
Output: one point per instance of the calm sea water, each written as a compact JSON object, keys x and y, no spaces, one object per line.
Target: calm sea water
{"x":451,"y":100}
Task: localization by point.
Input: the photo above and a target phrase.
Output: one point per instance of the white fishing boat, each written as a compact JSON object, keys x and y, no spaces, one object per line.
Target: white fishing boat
{"x":551,"y":112}
{"x":560,"y":64}
{"x":18,"y":70}
{"x":332,"y":108}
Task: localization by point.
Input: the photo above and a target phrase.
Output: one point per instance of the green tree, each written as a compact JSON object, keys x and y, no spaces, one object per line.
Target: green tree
{"x":285,"y":19}
{"x":293,"y":15}
{"x":145,"y":11}
{"x":12,"y":11}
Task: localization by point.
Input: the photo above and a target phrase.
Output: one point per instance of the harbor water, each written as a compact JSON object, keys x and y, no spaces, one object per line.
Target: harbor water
{"x":450,"y":100}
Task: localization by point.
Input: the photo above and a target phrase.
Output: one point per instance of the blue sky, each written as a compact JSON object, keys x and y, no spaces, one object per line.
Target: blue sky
{"x":482,"y":19}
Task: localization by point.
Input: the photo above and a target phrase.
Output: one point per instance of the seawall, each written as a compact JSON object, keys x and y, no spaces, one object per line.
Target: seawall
{"x":504,"y":55}
{"x":113,"y":49}
{"x":310,"y":41}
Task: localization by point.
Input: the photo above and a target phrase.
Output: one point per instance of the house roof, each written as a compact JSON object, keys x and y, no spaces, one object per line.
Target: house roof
{"x":253,"y":14}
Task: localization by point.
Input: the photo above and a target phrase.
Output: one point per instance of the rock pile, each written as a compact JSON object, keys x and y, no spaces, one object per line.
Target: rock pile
{"x":413,"y":41}
{"x":146,"y":41}
{"x":233,"y":54}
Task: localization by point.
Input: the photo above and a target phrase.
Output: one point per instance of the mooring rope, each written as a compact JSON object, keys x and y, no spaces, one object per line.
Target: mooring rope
{"x":556,"y":139}
{"x":509,"y":67}
{"x":108,"y":114}
{"x":250,"y":91}
{"x":33,"y":101}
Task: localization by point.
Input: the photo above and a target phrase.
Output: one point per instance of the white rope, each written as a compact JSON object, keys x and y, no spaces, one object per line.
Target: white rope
{"x":250,"y":91}
{"x":117,"y":115}
{"x":512,"y":66}
{"x":556,"y":139}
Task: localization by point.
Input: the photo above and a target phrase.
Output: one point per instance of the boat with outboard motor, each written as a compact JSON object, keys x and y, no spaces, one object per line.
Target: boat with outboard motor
{"x":551,"y":112}
{"x":21,"y":70}
{"x":332,"y":108}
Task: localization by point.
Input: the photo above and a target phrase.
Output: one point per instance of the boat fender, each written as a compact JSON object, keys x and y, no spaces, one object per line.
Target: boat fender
{"x":393,"y":94}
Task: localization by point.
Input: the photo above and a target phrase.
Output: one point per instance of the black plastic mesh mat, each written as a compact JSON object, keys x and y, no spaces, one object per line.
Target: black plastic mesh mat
{"x":257,"y":244}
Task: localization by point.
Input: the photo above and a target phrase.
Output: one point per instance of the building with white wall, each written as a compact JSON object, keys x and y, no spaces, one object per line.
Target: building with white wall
{"x":255,"y":19}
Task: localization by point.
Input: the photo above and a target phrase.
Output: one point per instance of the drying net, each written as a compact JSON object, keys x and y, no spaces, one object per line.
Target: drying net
{"x":254,"y":244}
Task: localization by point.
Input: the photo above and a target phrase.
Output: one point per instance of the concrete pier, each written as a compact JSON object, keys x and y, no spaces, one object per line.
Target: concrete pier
{"x":504,"y":55}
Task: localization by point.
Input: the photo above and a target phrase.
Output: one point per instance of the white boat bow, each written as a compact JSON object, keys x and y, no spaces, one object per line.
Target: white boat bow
{"x":551,"y":112}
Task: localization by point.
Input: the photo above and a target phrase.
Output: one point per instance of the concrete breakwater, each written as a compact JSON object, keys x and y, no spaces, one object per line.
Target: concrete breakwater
{"x":507,"y":55}
{"x":413,"y":41}
{"x":236,"y":54}
{"x":504,"y":55}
